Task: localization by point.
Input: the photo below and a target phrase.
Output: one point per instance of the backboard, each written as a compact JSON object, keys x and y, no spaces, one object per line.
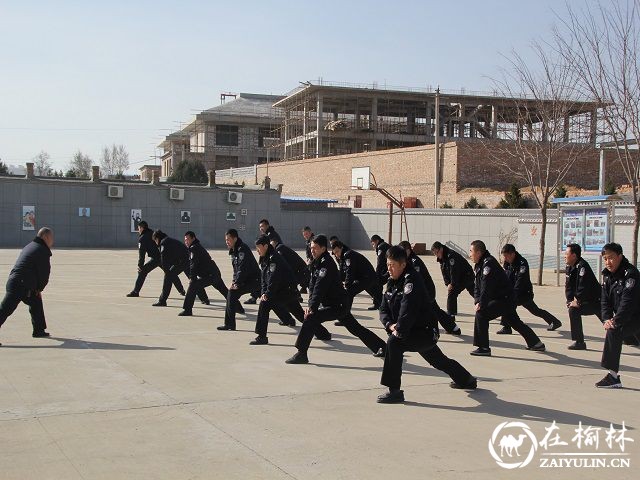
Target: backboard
{"x":360,"y":178}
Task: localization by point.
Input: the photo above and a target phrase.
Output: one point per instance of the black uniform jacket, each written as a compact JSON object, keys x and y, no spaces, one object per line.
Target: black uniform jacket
{"x":455,"y":268}
{"x":421,"y":269}
{"x":32,"y":268}
{"x":146,"y":246}
{"x":296,"y":263}
{"x":272,"y":234}
{"x":308,"y":249}
{"x":325,"y":286}
{"x":405,"y":303}
{"x":354,"y":267}
{"x":276,"y":275}
{"x":518,"y":274}
{"x":245,"y":267}
{"x":491,"y":282}
{"x":200,"y":262}
{"x":381,"y":265}
{"x":581,"y":283}
{"x":173,"y":253}
{"x":621,"y":294}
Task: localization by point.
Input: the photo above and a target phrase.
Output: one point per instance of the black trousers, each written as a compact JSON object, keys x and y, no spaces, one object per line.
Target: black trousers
{"x":171,"y":278}
{"x":536,"y":311}
{"x":233,"y":301}
{"x":425,"y":344}
{"x":314,"y":321}
{"x":575,"y":317}
{"x":196,"y":287}
{"x":452,"y":297}
{"x":12,"y":299}
{"x":284,"y":305}
{"x":373,"y":288}
{"x":146,"y":269}
{"x":506,"y":309}
{"x":613,"y":345}
{"x":444,"y":319}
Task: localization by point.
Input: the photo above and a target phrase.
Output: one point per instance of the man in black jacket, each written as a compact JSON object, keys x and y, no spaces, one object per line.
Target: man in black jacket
{"x":298,"y":266}
{"x":380,"y":247}
{"x":407,"y":315}
{"x":246,"y":276}
{"x":447,"y":321}
{"x":268,"y":230}
{"x":620,"y":310}
{"x":493,"y":297}
{"x":203,"y":272}
{"x":147,"y":247}
{"x":582,"y":292}
{"x":326,"y":289}
{"x":517,"y":269}
{"x":356,"y":273}
{"x":456,"y":273}
{"x":27,"y":279}
{"x":278,"y":289}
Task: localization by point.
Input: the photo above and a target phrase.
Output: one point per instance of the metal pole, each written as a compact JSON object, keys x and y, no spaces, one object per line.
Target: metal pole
{"x":601,"y":174}
{"x":390,"y":221}
{"x":559,"y":244}
{"x":436,"y":162}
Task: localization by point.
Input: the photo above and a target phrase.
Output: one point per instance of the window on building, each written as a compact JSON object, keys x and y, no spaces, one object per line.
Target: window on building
{"x":227,"y":135}
{"x":226,"y":161}
{"x":266,"y":132}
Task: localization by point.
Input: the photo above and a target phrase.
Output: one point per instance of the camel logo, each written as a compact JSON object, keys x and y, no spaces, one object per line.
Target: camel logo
{"x":510,"y":438}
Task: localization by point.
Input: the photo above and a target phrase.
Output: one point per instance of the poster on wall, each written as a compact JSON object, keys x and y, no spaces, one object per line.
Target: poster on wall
{"x":185,"y":216}
{"x":136,"y":218}
{"x":84,"y":212}
{"x":28,"y":217}
{"x":572,"y":228}
{"x":596,"y":234}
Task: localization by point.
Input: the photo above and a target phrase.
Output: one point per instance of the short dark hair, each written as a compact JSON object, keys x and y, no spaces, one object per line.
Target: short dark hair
{"x":397,"y":254}
{"x":189,"y":234}
{"x":320,"y":240}
{"x":479,"y":246}
{"x":508,"y":248}
{"x":406,"y":245}
{"x":575,"y":248}
{"x":336,"y":244}
{"x":158,"y":235}
{"x":262,"y":240}
{"x":612,"y":247}
{"x":306,"y":229}
{"x":143,"y":224}
{"x":264,"y":220}
{"x":436,"y":246}
{"x":333,"y":238}
{"x":232,"y":232}
{"x":376,"y":238}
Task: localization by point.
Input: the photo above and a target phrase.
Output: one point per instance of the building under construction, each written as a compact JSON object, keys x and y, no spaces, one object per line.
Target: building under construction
{"x":320,"y":120}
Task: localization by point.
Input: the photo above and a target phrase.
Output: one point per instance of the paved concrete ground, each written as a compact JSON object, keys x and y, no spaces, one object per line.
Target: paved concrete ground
{"x":125,"y":390}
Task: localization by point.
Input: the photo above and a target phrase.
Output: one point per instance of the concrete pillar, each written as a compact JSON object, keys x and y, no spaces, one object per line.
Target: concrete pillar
{"x":319,"y":126}
{"x":593,"y":130}
{"x":305,"y":112}
{"x":461,"y":121}
{"x":286,"y":132}
{"x":565,"y":131}
{"x":545,"y":131}
{"x":494,"y":122}
{"x":211,"y":178}
{"x":357,"y":117}
{"x":411,"y":122}
{"x":155,"y":180}
{"x":95,"y":173}
{"x":373,"y":123}
{"x":520,"y":129}
{"x":428,"y":116}
{"x":30,"y":170}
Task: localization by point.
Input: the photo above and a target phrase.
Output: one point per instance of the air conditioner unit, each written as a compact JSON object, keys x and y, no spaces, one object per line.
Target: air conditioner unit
{"x":115,"y":191}
{"x":176,"y":194}
{"x":234,"y":197}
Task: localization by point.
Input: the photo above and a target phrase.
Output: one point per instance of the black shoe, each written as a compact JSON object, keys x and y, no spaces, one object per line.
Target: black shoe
{"x":577,"y":346}
{"x":41,"y":334}
{"x":481,"y":352}
{"x":183,"y":293}
{"x":287,"y":324}
{"x":455,"y":331}
{"x":240,"y":310}
{"x":159,"y":304}
{"x":538,"y":347}
{"x":300,"y":299}
{"x":471,"y":384}
{"x":185,"y":313}
{"x":338,"y":323}
{"x":133,"y":294}
{"x":298,"y":358}
{"x":556,"y":324}
{"x":250,"y":301}
{"x":374,"y":307}
{"x":226,"y":327}
{"x":205,"y":302}
{"x":609,"y":381}
{"x":397,"y":396}
{"x":380,"y":353}
{"x":504,"y":331}
{"x":259,"y":341}
{"x":631,"y":341}
{"x":303,"y":290}
{"x":325,"y":338}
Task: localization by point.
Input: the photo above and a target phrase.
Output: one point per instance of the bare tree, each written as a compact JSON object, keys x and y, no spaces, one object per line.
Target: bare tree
{"x":115,"y":160}
{"x":603,"y":43}
{"x":546,"y":128}
{"x":42,"y":164}
{"x":80,"y":165}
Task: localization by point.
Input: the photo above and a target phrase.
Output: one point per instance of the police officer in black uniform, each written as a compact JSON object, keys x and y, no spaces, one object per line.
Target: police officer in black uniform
{"x":456,"y":273}
{"x":307,"y":233}
{"x":298,"y":266}
{"x":620,"y":310}
{"x":356,"y":273}
{"x":328,"y":300}
{"x":269,"y":231}
{"x":493,"y":296}
{"x":147,"y":247}
{"x":203,"y":272}
{"x":407,"y":315}
{"x":278,"y":288}
{"x":246,"y":276}
{"x":582,"y":291}
{"x":517,"y":269}
{"x":447,"y":321}
{"x":381,"y":247}
{"x":27,"y":279}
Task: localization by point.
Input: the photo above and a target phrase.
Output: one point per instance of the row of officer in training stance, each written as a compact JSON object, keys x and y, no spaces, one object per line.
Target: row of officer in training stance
{"x":408,"y":308}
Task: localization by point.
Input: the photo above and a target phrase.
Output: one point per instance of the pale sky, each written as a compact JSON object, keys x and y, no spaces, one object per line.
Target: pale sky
{"x":83,"y":74}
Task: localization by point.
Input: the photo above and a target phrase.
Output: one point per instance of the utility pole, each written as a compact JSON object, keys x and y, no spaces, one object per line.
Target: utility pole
{"x":436,"y":161}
